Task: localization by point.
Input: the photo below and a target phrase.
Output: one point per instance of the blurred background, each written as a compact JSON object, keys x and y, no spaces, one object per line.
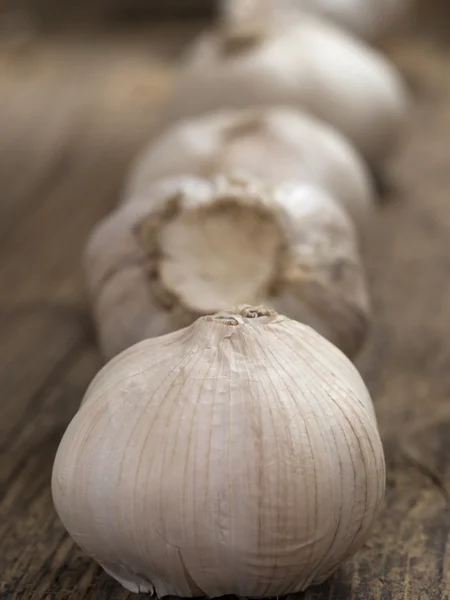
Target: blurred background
{"x":82,"y":87}
{"x":82,"y":84}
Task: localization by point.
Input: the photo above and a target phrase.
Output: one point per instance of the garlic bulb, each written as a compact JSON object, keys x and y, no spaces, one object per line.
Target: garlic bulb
{"x":368,"y":19}
{"x":274,"y":144}
{"x":191,"y":247}
{"x":237,"y":456}
{"x":301,"y":62}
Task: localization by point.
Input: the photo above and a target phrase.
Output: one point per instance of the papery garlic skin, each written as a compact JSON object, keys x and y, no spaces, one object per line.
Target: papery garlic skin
{"x":192,"y":247}
{"x":237,"y":456}
{"x":273,"y":144}
{"x":304,"y":63}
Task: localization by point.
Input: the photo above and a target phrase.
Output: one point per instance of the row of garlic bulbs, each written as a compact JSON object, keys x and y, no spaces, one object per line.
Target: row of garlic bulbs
{"x":238,"y":452}
{"x":183,"y":246}
{"x":292,"y":58}
{"x":356,"y":102}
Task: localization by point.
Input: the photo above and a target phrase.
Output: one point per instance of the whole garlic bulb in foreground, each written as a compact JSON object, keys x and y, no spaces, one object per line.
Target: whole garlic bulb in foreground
{"x":237,"y":456}
{"x":302,"y":62}
{"x":274,"y":144}
{"x":192,"y":247}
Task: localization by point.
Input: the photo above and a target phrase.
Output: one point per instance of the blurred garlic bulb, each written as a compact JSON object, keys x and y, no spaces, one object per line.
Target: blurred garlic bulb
{"x":368,"y":19}
{"x":299,"y":61}
{"x":240,"y":455}
{"x":192,"y":247}
{"x":274,"y":144}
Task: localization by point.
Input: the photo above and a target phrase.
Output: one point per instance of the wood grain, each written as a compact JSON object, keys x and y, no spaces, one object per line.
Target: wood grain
{"x":72,"y":114}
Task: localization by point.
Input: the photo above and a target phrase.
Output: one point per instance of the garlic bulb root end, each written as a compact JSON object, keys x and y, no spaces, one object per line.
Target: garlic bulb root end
{"x":196,"y":261}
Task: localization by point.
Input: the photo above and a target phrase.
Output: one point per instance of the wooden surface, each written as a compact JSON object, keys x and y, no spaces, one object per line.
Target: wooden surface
{"x":54,"y":13}
{"x":72,"y":113}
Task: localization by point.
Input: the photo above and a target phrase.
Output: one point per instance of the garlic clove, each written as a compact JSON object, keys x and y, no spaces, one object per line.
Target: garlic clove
{"x":192,"y":247}
{"x":273,"y":144}
{"x":237,"y":456}
{"x":304,"y":63}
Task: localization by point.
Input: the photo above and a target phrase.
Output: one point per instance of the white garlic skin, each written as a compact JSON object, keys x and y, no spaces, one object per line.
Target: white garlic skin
{"x":237,"y":456}
{"x":221,"y":243}
{"x":274,"y":144}
{"x":304,"y":63}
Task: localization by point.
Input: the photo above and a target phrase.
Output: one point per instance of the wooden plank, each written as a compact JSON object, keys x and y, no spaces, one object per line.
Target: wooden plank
{"x":54,"y":112}
{"x":38,"y":340}
{"x":72,"y":126}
